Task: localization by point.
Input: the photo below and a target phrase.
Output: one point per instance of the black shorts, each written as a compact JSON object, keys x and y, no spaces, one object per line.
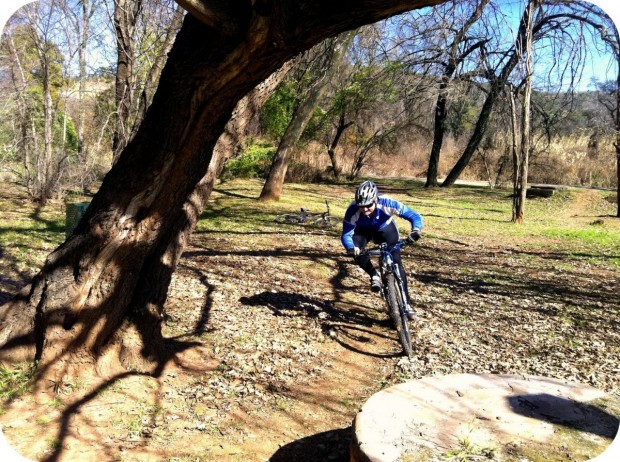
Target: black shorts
{"x":389,"y":234}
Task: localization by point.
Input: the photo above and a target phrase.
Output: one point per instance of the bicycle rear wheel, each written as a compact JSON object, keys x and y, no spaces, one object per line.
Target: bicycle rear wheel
{"x":396,"y":305}
{"x":289,"y":219}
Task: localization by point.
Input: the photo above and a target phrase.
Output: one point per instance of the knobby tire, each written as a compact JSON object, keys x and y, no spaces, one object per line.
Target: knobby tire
{"x":289,"y":219}
{"x":325,"y":222}
{"x":394,"y":301}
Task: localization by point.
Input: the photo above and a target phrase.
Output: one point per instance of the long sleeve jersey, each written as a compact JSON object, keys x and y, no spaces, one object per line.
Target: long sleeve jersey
{"x":382,"y":216}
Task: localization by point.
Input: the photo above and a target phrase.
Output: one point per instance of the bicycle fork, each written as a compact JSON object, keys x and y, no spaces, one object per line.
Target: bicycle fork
{"x":388,"y":266}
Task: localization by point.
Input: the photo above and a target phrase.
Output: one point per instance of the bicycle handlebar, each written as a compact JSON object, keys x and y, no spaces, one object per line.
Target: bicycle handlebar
{"x":389,"y":248}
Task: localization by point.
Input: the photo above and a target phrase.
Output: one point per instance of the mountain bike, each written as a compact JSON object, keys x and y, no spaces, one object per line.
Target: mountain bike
{"x":393,"y":290}
{"x":305,"y":217}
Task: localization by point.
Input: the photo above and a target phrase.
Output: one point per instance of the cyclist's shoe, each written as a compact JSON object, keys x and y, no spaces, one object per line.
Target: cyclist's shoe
{"x":411,"y":315}
{"x":375,"y":283}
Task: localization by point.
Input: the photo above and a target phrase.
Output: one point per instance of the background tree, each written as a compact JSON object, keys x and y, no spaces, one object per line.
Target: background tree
{"x":460,"y":48}
{"x":371,"y":101}
{"x":524,"y":48}
{"x":38,"y":70}
{"x":80,"y":14}
{"x":558,"y":22}
{"x":611,"y":90}
{"x":99,"y":297}
{"x":144,"y":33}
{"x":125,"y":19}
{"x":327,"y":63}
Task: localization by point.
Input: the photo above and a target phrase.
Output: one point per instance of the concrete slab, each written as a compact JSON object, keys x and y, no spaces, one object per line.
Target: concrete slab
{"x":493,"y":417}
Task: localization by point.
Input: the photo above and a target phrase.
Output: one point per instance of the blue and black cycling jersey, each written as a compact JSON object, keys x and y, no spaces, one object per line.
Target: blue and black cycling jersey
{"x":381,"y":217}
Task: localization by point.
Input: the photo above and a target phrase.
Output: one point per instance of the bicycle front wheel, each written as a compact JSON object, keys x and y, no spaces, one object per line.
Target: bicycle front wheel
{"x":325,"y":222}
{"x":396,"y":304}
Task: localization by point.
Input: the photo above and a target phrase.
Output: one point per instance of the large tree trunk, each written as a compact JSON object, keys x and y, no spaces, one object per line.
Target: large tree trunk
{"x":98,"y":298}
{"x":272,"y":189}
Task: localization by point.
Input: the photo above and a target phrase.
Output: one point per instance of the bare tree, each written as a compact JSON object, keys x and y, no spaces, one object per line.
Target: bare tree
{"x":26,"y":140}
{"x":524,"y":48}
{"x":38,"y":69}
{"x":559,"y":22}
{"x":373,"y":99}
{"x":142,"y":29}
{"x":458,"y":50}
{"x":610,"y":36}
{"x":80,"y":16}
{"x":125,"y":19}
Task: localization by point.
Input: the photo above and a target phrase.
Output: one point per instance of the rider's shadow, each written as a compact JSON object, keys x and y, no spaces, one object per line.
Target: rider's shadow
{"x":350,"y":328}
{"x":292,"y":304}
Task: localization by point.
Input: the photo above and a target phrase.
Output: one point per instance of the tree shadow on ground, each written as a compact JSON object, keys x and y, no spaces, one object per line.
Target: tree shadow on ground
{"x":293,"y":304}
{"x":583,"y":417}
{"x":332,"y":445}
{"x":173,"y":347}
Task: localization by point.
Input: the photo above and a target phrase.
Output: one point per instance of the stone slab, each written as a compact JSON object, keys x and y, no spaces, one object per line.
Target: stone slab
{"x":501,"y":417}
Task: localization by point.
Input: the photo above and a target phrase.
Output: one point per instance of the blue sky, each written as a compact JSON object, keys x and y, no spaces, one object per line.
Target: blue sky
{"x":597,"y":66}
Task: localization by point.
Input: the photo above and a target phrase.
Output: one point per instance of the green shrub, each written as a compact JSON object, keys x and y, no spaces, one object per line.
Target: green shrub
{"x":254,"y":162}
{"x":277,"y":112}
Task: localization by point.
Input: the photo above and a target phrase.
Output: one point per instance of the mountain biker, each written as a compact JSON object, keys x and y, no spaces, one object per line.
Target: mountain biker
{"x":370,"y":217}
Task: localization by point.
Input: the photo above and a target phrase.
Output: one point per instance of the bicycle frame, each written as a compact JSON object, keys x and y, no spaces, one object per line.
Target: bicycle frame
{"x":386,"y":260}
{"x":323,"y":219}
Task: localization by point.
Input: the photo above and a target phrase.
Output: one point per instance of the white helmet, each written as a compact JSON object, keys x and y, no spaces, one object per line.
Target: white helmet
{"x":366,"y":194}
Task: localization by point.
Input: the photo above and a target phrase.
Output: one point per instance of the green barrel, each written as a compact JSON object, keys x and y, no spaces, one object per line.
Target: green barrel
{"x":75,"y":211}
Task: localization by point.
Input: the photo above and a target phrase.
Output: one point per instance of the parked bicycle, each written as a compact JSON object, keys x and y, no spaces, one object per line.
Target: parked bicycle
{"x":305,"y":217}
{"x":393,"y":291}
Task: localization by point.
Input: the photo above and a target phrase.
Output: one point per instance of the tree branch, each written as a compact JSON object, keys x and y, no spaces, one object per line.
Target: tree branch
{"x":216,"y":14}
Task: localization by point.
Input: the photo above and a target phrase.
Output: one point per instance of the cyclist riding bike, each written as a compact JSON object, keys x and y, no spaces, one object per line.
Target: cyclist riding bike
{"x":370,"y":217}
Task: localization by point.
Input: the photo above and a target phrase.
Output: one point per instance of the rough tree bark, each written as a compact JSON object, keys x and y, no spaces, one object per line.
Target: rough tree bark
{"x":98,"y":300}
{"x":272,"y":189}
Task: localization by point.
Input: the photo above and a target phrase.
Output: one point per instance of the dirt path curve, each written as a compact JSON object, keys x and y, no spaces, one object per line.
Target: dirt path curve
{"x":348,"y":349}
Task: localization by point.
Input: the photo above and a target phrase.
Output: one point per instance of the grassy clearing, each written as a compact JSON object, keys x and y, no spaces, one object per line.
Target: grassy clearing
{"x":28,"y":234}
{"x":15,"y":380}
